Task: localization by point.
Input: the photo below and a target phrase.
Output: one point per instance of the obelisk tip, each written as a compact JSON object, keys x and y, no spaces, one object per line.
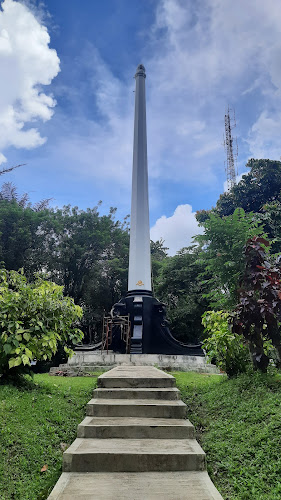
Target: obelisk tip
{"x":140,"y":71}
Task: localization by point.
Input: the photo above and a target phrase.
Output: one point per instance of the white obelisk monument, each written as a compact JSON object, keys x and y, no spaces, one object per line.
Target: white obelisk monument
{"x":139,"y":260}
{"x":150,"y":332}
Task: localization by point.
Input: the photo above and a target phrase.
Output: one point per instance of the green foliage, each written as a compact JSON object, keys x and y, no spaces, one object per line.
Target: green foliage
{"x":158,"y":255}
{"x":260,"y":186}
{"x":177,"y":284}
{"x":81,"y":250}
{"x":34,"y":319}
{"x":225,"y":348}
{"x":237,"y":423}
{"x":91,"y":260}
{"x":21,"y":242}
{"x":257,"y":315}
{"x":222,"y":254}
{"x":270,"y":217}
{"x":38,"y":421}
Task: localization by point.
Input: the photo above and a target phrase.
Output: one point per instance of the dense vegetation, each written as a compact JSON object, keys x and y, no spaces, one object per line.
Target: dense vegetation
{"x":35,"y":319}
{"x":241,"y":248}
{"x":81,"y":250}
{"x":87,"y":254}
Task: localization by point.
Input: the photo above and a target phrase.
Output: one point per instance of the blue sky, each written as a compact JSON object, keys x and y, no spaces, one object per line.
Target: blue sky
{"x":67,"y":101}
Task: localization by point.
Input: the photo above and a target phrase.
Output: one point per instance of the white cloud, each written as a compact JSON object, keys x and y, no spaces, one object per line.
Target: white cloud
{"x":3,"y":159}
{"x":177,"y":230}
{"x":102,"y":147}
{"x":200,"y":56}
{"x":27,"y":63}
{"x":205,"y":54}
{"x":265,"y":136}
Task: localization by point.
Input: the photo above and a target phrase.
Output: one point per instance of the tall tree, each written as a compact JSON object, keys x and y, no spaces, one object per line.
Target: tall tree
{"x":85,"y":252}
{"x":20,"y":239}
{"x":258,"y":313}
{"x":222,"y":253}
{"x":260,"y":186}
{"x":179,"y":287}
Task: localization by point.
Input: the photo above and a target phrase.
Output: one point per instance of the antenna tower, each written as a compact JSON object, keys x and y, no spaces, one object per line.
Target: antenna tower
{"x":231,"y":149}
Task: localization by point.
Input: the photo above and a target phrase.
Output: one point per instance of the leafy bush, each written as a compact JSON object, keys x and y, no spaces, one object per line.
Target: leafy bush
{"x":35,"y":318}
{"x":227,"y":349}
{"x":257,"y":316}
{"x":222,"y":256}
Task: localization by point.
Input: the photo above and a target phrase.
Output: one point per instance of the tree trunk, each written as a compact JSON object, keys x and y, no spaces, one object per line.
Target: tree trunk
{"x":259,"y":358}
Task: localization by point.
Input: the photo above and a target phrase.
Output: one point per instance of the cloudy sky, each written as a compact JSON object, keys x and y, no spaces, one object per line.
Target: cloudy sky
{"x":67,"y":101}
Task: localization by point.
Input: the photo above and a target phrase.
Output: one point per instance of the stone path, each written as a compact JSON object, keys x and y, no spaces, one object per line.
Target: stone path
{"x":135,"y":443}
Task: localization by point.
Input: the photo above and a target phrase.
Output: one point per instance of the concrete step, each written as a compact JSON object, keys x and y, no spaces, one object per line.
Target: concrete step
{"x":135,"y":428}
{"x":150,"y":408}
{"x":136,"y":393}
{"x":135,"y":376}
{"x":181,"y":485}
{"x":133,"y":455}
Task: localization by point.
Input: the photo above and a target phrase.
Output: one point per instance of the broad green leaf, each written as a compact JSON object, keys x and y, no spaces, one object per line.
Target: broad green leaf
{"x":7,"y":348}
{"x":11,"y":363}
{"x":25,"y":359}
{"x":17,"y":361}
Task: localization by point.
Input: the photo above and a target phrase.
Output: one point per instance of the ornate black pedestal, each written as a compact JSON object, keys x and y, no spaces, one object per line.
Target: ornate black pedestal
{"x":150,"y":333}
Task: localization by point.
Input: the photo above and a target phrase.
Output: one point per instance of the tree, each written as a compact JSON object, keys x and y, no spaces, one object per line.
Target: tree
{"x":21,"y":242}
{"x":258,"y":313}
{"x":260,"y":186}
{"x":81,"y":250}
{"x":223,"y":347}
{"x":179,"y":287}
{"x":35,"y":318}
{"x":222,"y":254}
{"x":270,"y":217}
{"x":89,"y":257}
{"x":158,"y":254}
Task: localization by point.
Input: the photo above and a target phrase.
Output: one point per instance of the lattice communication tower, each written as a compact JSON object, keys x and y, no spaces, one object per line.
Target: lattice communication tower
{"x":231,"y":147}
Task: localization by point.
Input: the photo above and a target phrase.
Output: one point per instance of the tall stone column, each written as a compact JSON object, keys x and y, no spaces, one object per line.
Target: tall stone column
{"x":140,"y":260}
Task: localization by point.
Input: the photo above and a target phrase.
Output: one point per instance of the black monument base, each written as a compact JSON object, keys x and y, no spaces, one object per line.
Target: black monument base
{"x":150,"y":332}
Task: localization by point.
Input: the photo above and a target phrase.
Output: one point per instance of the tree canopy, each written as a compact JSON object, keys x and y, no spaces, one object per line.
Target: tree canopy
{"x":178,"y":285}
{"x":85,"y":252}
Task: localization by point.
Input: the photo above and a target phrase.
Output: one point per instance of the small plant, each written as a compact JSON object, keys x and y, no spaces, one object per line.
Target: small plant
{"x":258,"y":314}
{"x":35,"y":318}
{"x":225,"y":348}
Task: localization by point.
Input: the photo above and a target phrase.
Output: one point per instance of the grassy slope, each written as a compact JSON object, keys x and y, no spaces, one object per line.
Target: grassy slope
{"x":238,"y":423}
{"x":34,"y":421}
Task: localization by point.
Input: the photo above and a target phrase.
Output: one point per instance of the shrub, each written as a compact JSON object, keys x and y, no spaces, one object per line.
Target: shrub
{"x":227,"y":349}
{"x":257,"y":315}
{"x":35,"y":318}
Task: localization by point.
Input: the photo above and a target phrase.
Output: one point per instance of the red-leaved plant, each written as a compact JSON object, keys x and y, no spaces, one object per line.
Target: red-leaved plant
{"x":258,"y":312}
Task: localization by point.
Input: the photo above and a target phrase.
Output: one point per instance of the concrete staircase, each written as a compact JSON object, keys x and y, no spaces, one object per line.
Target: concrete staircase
{"x":135,"y":443}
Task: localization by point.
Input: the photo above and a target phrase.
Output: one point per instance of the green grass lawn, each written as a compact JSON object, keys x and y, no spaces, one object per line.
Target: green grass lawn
{"x":36,"y":422}
{"x":238,"y":424}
